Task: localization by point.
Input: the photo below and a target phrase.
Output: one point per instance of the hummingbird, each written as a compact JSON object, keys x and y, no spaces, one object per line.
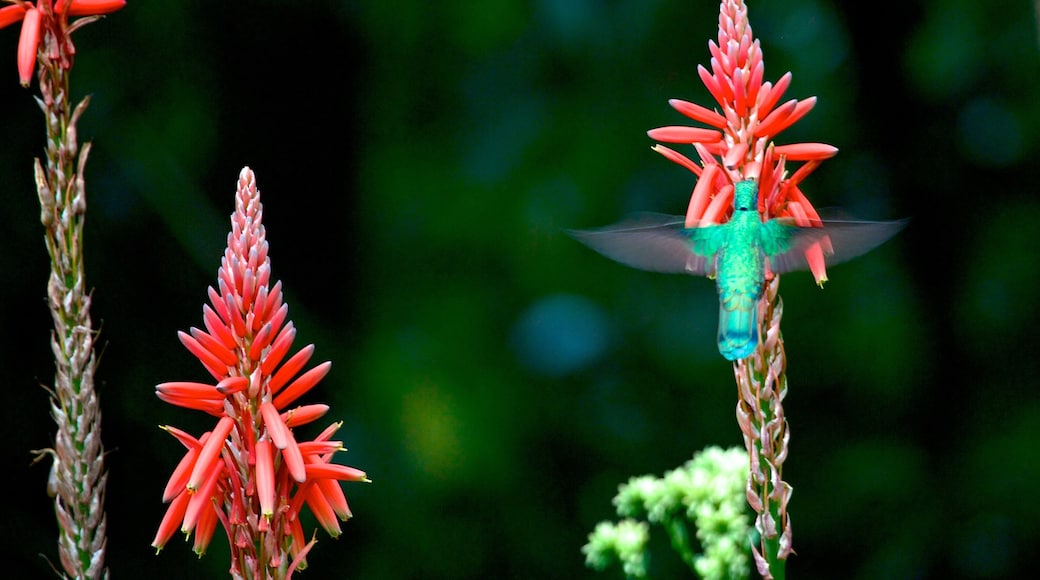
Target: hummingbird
{"x":736,"y":254}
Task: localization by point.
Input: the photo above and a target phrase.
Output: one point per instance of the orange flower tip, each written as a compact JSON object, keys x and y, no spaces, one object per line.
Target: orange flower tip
{"x":94,"y":7}
{"x":679,"y":134}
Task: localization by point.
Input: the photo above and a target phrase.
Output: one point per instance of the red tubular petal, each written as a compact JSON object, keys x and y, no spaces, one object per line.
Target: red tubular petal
{"x":232,"y":385}
{"x":204,"y":529}
{"x":265,"y":477}
{"x":679,"y":134}
{"x":248,"y":289}
{"x":217,"y":328}
{"x":735,"y":156}
{"x":186,"y":439}
{"x":294,"y":460}
{"x":719,"y":205}
{"x":290,"y":368}
{"x":179,"y":478}
{"x":817,"y":265}
{"x":740,"y":93}
{"x":698,"y":113}
{"x":334,"y":471}
{"x":322,"y":511}
{"x":214,"y":365}
{"x":214,"y":346}
{"x":211,"y":406}
{"x":772,"y":96}
{"x":201,"y":499}
{"x":755,"y":81}
{"x":260,"y":307}
{"x":28,"y":42}
{"x":278,"y":317}
{"x":260,"y":342}
{"x":11,"y":14}
{"x":806,"y":151}
{"x":92,"y":7}
{"x":276,"y":428}
{"x":238,"y":325}
{"x":301,"y":385}
{"x":210,"y":453}
{"x":279,"y":348}
{"x":711,"y":84}
{"x":802,"y":172}
{"x":767,"y":127}
{"x":334,"y":495}
{"x":312,"y":450}
{"x":304,"y":414}
{"x":329,"y":431}
{"x":701,"y":195}
{"x":189,"y":390}
{"x":171,"y":521}
{"x":219,"y":305}
{"x":677,"y":157}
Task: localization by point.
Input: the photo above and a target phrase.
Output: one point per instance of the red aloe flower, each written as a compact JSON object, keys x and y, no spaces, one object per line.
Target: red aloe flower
{"x":49,"y":15}
{"x":739,"y":145}
{"x":250,"y":473}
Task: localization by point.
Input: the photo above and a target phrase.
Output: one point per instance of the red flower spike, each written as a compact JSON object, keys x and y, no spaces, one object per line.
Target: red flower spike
{"x":743,"y":127}
{"x":250,"y":473}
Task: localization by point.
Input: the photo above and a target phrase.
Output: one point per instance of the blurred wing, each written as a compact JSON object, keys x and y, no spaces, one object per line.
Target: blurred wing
{"x":656,"y":242}
{"x":846,"y":240}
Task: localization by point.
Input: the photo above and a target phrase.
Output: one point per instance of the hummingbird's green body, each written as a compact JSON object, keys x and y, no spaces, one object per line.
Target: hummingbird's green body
{"x":740,"y":270}
{"x":735,"y":254}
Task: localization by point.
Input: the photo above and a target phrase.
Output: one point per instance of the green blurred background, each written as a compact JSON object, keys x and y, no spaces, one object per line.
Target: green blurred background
{"x":418,"y":161}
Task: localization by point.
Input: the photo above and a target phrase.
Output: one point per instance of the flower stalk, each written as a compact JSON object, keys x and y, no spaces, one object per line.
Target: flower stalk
{"x":738,"y":145}
{"x":77,"y":476}
{"x":761,"y":387}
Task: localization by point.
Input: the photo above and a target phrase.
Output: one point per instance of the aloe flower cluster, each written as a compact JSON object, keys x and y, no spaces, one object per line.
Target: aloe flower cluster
{"x":78,"y":476}
{"x":251,"y":474}
{"x":737,"y":144}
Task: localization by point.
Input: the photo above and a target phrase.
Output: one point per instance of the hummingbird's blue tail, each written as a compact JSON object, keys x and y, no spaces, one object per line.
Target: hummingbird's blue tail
{"x":738,"y":326}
